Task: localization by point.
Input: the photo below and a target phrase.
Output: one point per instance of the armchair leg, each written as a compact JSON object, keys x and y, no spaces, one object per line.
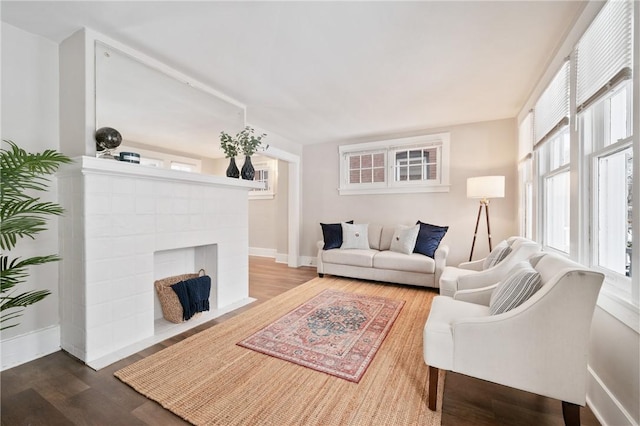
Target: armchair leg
{"x":433,"y":388}
{"x":571,"y":413}
{"x":321,"y":275}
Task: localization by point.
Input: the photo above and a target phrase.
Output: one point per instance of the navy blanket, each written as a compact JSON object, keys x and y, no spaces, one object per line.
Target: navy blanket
{"x":193,"y":295}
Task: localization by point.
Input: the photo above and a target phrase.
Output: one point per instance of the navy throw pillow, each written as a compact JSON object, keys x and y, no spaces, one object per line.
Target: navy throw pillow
{"x":429,"y":238}
{"x":332,"y":235}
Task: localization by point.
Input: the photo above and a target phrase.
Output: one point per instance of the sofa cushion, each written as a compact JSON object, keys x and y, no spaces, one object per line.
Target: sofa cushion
{"x":404,"y":239}
{"x":404,"y":262}
{"x":332,"y":235}
{"x":353,"y":257}
{"x":374,"y":236}
{"x":429,"y":238}
{"x":355,"y":236}
{"x":385,"y":237}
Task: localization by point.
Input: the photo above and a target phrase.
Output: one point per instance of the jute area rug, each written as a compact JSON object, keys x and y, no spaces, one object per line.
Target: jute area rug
{"x":209,"y":379}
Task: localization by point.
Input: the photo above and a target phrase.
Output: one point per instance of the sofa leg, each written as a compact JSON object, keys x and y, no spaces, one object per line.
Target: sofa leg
{"x":321,"y":275}
{"x":433,"y":388}
{"x":571,"y":413}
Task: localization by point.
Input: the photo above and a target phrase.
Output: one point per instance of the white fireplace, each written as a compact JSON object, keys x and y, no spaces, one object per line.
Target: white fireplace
{"x":127,"y":225}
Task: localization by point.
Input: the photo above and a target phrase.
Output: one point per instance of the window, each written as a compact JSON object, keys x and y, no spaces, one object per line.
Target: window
{"x":607,"y":142}
{"x":555,"y":187}
{"x":417,"y":164}
{"x":366,"y":168}
{"x":184,"y":167}
{"x":551,"y":118}
{"x":265,"y":172}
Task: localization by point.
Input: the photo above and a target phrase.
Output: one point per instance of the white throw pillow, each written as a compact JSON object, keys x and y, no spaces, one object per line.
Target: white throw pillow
{"x":519,"y":285}
{"x":497,"y":254}
{"x":355,"y":236}
{"x":404,"y":239}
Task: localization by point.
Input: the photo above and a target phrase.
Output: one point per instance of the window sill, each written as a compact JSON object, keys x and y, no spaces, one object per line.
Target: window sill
{"x":394,"y":190}
{"x":616,"y":303}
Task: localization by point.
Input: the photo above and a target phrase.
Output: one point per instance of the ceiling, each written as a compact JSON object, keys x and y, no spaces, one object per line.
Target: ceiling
{"x":324,"y":71}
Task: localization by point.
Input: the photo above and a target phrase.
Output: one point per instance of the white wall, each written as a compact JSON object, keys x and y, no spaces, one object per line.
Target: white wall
{"x":30,"y":117}
{"x":477,"y":149}
{"x":268,"y":219}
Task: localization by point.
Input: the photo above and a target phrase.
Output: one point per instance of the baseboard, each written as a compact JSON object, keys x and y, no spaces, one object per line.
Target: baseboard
{"x":27,"y":347}
{"x":282,"y":258}
{"x":308,"y":261}
{"x":604,"y":405}
{"x":262,"y":252}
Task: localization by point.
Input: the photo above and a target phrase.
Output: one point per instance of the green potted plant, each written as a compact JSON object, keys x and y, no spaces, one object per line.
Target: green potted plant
{"x":23,"y":215}
{"x":246,"y":141}
{"x":229,"y":146}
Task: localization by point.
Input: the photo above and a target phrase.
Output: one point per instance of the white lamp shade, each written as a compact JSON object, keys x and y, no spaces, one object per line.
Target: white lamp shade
{"x":485,"y":187}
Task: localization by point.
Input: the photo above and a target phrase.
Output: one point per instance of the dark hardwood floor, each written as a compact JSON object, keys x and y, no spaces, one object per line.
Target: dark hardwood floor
{"x":60,"y":390}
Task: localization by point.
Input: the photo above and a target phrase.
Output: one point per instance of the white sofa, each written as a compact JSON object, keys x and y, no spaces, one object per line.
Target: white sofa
{"x":379,"y":263}
{"x":469,"y":275}
{"x":540,"y":346}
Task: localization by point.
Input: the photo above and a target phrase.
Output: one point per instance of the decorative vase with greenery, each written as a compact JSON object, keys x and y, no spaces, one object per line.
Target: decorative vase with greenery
{"x":229,"y":146}
{"x":23,"y":215}
{"x":245,"y":141}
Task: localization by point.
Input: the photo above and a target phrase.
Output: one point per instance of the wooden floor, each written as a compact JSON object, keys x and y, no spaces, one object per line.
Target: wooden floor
{"x":60,"y":390}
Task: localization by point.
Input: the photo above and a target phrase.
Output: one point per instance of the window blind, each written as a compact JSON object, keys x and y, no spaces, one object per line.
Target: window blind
{"x":525,"y":136}
{"x":604,"y":53}
{"x":552,"y":109}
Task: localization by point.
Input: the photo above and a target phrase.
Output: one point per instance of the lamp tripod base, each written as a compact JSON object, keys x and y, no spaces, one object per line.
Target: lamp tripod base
{"x":483,"y":203}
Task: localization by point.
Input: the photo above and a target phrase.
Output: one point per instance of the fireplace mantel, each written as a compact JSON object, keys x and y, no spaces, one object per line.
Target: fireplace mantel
{"x":117,"y":217}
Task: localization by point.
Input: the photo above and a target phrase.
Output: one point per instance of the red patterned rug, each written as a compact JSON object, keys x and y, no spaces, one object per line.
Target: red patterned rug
{"x":335,"y":332}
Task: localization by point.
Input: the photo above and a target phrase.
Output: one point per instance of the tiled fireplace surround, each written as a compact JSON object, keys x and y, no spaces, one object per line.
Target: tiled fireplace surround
{"x":127,"y":225}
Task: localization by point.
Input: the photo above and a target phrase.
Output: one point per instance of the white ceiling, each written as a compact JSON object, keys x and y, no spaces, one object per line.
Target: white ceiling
{"x":322,"y":71}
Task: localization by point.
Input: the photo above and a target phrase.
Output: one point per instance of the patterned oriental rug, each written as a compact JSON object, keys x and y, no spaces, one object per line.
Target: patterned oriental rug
{"x":335,"y":332}
{"x":207,"y":379}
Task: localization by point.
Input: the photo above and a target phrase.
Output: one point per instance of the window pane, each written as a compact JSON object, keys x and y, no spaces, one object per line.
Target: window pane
{"x":378,"y":160}
{"x":619,"y":116}
{"x":556,"y":214}
{"x":378,"y":175}
{"x":354,"y":162}
{"x":366,"y":161}
{"x":366,"y":175}
{"x":615,"y":174}
{"x":354,"y":176}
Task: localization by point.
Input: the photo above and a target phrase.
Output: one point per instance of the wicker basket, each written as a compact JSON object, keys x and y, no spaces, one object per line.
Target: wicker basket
{"x":171,"y":307}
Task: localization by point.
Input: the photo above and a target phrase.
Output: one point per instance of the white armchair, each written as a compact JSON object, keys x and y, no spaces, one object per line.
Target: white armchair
{"x":470,"y":275}
{"x":540,"y":346}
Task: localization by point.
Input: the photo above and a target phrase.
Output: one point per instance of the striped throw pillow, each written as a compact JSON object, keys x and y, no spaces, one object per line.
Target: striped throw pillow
{"x":516,"y":289}
{"x":498,"y":254}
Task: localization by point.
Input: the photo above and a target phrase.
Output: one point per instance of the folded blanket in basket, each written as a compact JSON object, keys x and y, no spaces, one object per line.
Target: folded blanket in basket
{"x":193,"y":295}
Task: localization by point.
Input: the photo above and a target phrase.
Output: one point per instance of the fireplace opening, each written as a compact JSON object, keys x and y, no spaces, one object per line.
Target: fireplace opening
{"x":167,"y":263}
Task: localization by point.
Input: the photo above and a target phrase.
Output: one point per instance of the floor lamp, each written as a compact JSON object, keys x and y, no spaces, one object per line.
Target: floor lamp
{"x":484,"y":188}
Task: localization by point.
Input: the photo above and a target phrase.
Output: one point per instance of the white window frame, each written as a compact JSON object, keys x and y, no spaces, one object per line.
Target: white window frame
{"x":389,"y":148}
{"x":594,"y":150}
{"x":544,"y":172}
{"x":268,"y":192}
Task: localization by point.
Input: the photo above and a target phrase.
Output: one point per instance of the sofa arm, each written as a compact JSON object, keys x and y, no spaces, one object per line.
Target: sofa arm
{"x":319,"y":264}
{"x":440,"y":257}
{"x":479,"y":296}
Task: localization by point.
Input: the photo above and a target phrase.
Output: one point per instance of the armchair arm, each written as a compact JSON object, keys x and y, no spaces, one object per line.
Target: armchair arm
{"x":499,"y":271}
{"x":440,"y":257}
{"x":479,"y":296}
{"x":475,"y":265}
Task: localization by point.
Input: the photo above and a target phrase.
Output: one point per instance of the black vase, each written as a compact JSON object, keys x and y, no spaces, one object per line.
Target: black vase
{"x":232,"y":170}
{"x":248,"y":172}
